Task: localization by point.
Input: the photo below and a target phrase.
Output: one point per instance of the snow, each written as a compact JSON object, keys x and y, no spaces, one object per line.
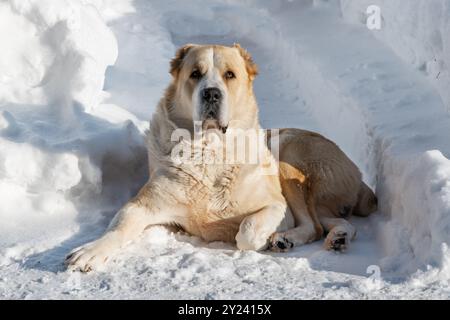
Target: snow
{"x":80,"y":79}
{"x":419,"y":214}
{"x":419,"y":35}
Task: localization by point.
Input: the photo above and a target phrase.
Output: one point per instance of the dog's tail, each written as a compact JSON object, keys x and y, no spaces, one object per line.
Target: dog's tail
{"x":367,"y":201}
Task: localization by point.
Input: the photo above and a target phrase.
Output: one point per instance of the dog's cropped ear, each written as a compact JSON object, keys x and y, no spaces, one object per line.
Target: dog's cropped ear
{"x":176,"y":62}
{"x":252,"y":68}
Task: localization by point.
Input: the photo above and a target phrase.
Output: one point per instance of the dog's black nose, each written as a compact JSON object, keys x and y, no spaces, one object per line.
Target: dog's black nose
{"x":211,"y":95}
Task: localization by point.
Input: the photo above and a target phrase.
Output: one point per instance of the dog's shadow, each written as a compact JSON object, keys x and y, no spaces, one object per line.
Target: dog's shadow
{"x":52,"y":260}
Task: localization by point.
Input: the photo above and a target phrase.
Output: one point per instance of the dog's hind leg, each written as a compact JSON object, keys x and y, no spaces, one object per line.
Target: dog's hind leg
{"x":340,"y":232}
{"x":140,"y":212}
{"x":283,"y":241}
{"x":308,"y":227}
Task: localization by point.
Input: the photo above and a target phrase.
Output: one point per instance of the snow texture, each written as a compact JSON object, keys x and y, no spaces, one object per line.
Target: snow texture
{"x":80,"y":79}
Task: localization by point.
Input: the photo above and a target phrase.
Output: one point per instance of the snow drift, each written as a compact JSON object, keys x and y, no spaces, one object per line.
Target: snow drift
{"x":415,"y":181}
{"x":54,"y":155}
{"x":79,"y":80}
{"x":417,"y":31}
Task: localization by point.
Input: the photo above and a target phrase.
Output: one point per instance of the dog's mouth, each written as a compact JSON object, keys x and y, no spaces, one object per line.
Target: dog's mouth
{"x":213,"y":124}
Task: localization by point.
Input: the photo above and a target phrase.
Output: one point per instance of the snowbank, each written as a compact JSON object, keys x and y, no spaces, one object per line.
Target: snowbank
{"x":56,"y":58}
{"x":418,"y":233}
{"x":413,"y":176}
{"x":55,"y":156}
{"x":417,"y":30}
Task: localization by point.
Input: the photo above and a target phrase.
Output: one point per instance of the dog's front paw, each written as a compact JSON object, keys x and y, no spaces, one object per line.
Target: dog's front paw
{"x":278,"y":243}
{"x":88,"y":257}
{"x":337,"y":240}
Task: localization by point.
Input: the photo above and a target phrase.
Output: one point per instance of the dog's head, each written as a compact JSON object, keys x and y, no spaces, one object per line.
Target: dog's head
{"x":214,"y":85}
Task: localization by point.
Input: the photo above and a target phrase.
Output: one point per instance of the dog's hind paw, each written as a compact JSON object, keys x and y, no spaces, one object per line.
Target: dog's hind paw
{"x":278,"y":243}
{"x":337,"y":240}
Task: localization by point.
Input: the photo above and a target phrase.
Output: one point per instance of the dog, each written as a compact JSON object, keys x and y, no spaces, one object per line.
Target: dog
{"x":314,"y":188}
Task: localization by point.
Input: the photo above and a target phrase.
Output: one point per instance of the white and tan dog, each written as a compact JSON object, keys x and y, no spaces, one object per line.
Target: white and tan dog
{"x":315,"y":188}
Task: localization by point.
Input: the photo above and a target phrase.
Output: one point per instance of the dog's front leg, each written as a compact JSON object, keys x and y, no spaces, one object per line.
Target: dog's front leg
{"x":255,"y":230}
{"x":144,"y":210}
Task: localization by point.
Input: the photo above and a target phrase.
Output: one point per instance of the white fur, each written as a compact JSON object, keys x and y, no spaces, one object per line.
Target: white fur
{"x":211,"y":79}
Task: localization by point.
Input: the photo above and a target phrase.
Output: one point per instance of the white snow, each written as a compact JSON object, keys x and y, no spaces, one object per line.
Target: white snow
{"x":417,"y":31}
{"x":79,"y":80}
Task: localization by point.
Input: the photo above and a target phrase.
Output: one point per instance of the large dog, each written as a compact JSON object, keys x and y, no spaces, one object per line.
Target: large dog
{"x":313,"y":189}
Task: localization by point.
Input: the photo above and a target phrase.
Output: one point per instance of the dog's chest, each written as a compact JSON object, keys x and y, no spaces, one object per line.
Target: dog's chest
{"x":214,"y":208}
{"x":210,"y":191}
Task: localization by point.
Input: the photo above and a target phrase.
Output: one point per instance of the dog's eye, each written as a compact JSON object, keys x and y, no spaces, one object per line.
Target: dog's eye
{"x":229,"y":75}
{"x":196,"y":74}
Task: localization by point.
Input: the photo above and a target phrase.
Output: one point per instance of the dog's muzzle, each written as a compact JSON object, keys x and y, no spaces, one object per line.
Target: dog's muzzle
{"x":211,"y":103}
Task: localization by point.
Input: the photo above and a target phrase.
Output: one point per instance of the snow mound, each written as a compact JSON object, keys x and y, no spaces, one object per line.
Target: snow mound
{"x":56,"y":58}
{"x":417,"y":31}
{"x":55,"y":156}
{"x":420,"y":204}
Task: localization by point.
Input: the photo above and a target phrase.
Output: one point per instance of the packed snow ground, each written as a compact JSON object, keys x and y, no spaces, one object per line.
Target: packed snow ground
{"x":80,"y":79}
